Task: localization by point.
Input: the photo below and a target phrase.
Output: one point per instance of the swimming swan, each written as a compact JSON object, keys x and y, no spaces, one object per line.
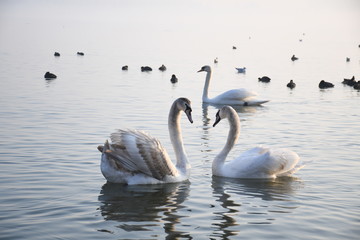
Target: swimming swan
{"x":259,"y":162}
{"x":134,"y":157}
{"x":239,"y":96}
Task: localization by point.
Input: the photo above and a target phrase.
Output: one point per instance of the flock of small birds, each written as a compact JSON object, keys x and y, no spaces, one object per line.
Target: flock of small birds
{"x":322,"y":84}
{"x":265,"y":79}
{"x":50,"y":76}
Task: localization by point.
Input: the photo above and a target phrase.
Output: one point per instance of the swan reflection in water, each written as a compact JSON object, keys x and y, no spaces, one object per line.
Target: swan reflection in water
{"x":144,"y":208}
{"x":250,"y":201}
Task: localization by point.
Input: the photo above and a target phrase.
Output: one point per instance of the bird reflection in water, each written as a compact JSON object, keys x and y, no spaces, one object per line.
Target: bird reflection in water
{"x":144,"y":207}
{"x":238,"y":200}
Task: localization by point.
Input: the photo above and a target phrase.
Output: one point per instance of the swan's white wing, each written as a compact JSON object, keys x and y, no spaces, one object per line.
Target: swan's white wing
{"x":237,"y":94}
{"x":262,"y":162}
{"x":138,"y":152}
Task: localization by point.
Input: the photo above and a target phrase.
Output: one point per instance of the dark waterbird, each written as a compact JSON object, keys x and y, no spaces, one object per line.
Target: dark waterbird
{"x":173,"y":79}
{"x":293,"y":58}
{"x":323,"y":84}
{"x":357,"y":85}
{"x":162,"y":68}
{"x":56,"y":54}
{"x":49,"y":75}
{"x":146,"y":69}
{"x":349,"y":81}
{"x":125,"y":68}
{"x":80,"y":53}
{"x":264,"y":79}
{"x":291,"y":84}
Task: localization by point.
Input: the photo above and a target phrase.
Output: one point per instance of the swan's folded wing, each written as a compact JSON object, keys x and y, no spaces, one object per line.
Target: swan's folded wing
{"x":282,"y":161}
{"x":238,"y":94}
{"x":136,"y":151}
{"x":263,"y":162}
{"x":272,"y":162}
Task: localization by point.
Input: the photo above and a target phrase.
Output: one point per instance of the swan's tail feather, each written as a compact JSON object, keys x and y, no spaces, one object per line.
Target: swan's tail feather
{"x":255,"y":102}
{"x":292,"y":171}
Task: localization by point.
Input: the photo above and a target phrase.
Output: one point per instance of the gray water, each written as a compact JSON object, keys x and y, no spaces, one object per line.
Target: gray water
{"x":51,"y":184}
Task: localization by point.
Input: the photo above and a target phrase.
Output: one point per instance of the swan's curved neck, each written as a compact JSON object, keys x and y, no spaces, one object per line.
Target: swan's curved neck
{"x":205,"y":96}
{"x":176,"y":139}
{"x":233,"y":136}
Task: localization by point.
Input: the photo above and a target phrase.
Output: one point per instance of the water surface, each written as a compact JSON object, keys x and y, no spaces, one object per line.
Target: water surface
{"x":51,"y":184}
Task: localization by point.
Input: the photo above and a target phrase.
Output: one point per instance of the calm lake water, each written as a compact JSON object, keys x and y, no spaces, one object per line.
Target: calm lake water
{"x":51,"y":184}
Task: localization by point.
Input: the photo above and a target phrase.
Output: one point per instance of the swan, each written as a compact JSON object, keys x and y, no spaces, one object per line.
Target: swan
{"x":134,"y":157}
{"x":258,"y":162}
{"x":239,"y":96}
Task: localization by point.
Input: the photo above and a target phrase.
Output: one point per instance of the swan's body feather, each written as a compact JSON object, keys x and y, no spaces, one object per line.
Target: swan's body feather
{"x":139,"y":152}
{"x":258,"y":162}
{"x":261,"y":162}
{"x":238,"y":96}
{"x":134,"y":157}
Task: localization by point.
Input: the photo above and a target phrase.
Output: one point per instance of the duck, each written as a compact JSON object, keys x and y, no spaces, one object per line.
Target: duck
{"x":259,"y":162}
{"x":125,"y":68}
{"x":241,"y":70}
{"x":357,"y":85}
{"x":216,"y":60}
{"x":349,"y":81}
{"x":133,"y":157}
{"x":56,"y":54}
{"x":173,"y":79}
{"x":323,"y":84}
{"x":146,"y":69}
{"x":291,"y":84}
{"x":264,"y":79}
{"x":162,"y":68}
{"x":80,"y":53}
{"x":347,"y":59}
{"x":49,"y":75}
{"x":293,"y":58}
{"x":234,"y":47}
{"x":238,"y":96}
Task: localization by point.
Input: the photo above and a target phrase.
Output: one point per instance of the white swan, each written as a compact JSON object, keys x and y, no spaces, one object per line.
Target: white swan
{"x":239,"y":96}
{"x":134,"y":157}
{"x":259,"y":162}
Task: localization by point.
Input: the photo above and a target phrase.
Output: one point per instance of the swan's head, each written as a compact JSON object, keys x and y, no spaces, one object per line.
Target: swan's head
{"x":205,"y":68}
{"x":184,"y":104}
{"x":224,"y":112}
